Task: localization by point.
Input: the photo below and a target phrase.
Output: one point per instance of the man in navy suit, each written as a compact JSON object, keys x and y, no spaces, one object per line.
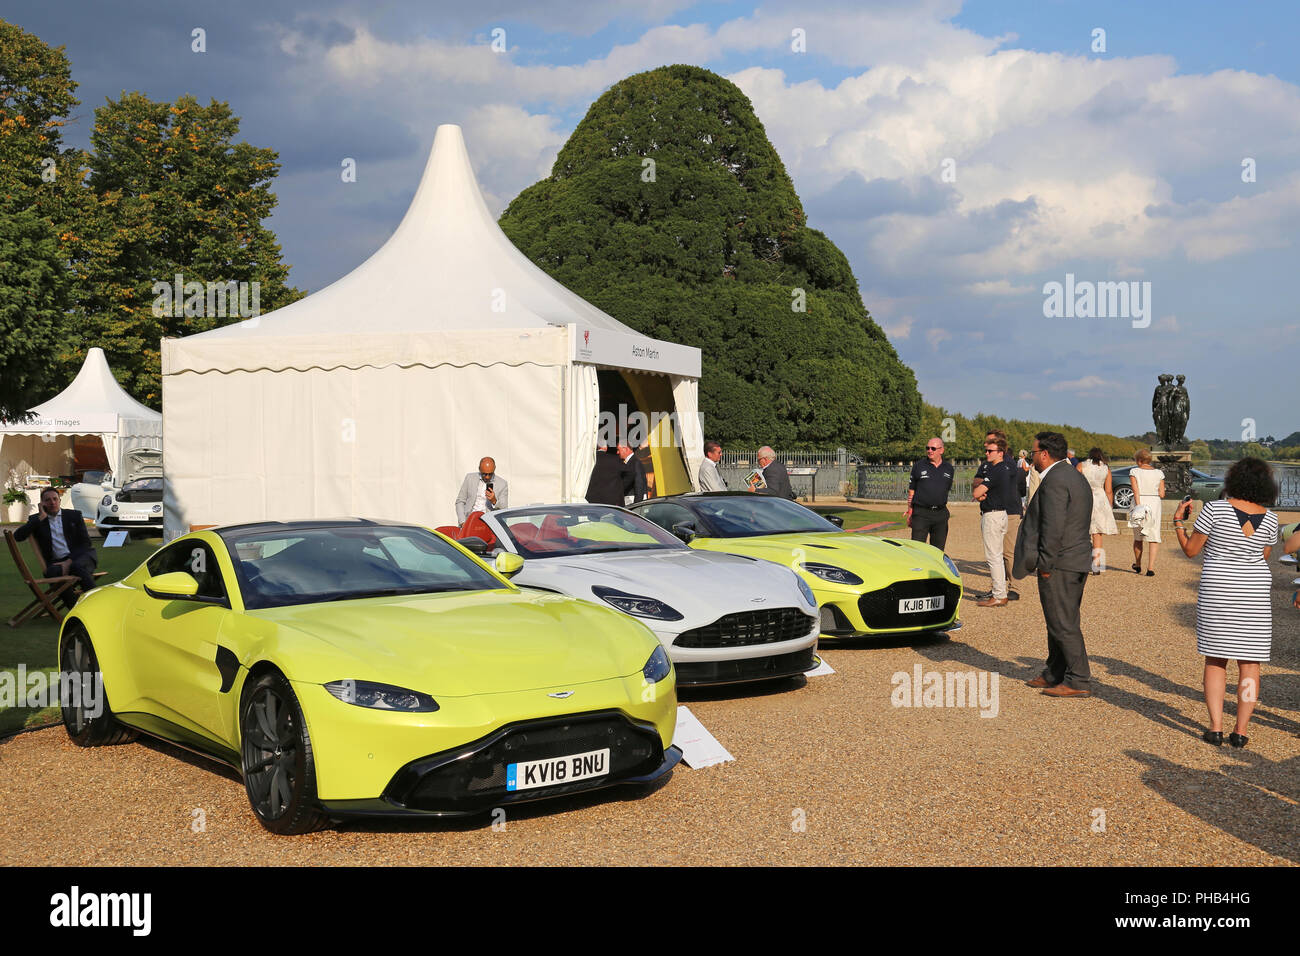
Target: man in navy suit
{"x":63,"y":542}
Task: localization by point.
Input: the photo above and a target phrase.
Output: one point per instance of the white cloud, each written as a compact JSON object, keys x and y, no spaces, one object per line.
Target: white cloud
{"x":936,"y":335}
{"x":1089,"y":384}
{"x":998,"y":287}
{"x":899,"y":329}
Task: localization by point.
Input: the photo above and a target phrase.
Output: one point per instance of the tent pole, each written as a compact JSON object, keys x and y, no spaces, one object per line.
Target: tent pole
{"x":565,"y":413}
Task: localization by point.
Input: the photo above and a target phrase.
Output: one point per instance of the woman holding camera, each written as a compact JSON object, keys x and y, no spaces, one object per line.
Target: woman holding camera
{"x":1234,"y":617}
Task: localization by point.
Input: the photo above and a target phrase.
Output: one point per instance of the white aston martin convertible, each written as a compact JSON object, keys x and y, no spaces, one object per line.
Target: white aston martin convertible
{"x":723,"y":618}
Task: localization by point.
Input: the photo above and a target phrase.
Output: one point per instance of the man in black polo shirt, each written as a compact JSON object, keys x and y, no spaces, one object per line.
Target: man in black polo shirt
{"x":927,"y":495}
{"x":997,"y":491}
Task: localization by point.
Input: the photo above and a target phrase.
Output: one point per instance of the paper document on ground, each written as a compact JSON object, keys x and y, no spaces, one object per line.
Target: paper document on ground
{"x":699,"y":747}
{"x":822,"y":668}
{"x":115,"y":539}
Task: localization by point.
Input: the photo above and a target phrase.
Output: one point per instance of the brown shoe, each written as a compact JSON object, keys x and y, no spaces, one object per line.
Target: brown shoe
{"x":1039,"y":681}
{"x":992,"y":602}
{"x":1060,"y":690}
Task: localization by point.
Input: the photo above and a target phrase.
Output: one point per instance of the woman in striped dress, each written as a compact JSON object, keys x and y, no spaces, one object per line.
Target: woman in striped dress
{"x":1234,"y":617}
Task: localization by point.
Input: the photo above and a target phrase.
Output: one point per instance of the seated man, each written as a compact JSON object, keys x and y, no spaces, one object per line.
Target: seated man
{"x":483,"y":490}
{"x":63,"y":542}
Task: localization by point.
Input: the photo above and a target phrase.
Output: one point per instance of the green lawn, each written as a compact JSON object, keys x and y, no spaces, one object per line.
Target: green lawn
{"x":35,"y":644}
{"x":857,"y":517}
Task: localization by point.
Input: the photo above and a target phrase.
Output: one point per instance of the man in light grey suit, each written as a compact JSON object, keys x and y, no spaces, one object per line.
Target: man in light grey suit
{"x":1054,"y":543}
{"x":483,"y":490}
{"x":710,"y":480}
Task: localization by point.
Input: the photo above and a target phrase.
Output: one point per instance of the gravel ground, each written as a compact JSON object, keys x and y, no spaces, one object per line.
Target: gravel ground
{"x":826,"y":771}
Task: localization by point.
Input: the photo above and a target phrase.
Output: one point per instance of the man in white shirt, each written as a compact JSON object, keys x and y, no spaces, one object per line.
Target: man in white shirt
{"x":63,"y":542}
{"x":710,"y":478}
{"x":483,"y":490}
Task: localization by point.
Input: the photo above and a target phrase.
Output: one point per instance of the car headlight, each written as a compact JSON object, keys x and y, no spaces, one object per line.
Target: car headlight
{"x":657,"y":667}
{"x":108,"y":500}
{"x":806,"y":591}
{"x":366,"y":693}
{"x":637,"y":605}
{"x":828,"y":572}
{"x":157,"y":509}
{"x":951,"y":567}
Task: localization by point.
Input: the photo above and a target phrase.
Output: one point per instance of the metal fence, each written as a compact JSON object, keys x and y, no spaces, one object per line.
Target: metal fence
{"x":842,"y":474}
{"x":887,"y":481}
{"x":835,"y":471}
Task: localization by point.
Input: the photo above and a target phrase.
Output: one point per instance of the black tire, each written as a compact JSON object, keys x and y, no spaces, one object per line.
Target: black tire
{"x":1123,"y":498}
{"x":279,"y":771}
{"x":77,"y":659}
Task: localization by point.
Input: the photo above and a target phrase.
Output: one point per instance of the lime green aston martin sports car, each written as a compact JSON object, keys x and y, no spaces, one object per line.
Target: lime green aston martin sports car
{"x":864,"y":584}
{"x":351,"y":668}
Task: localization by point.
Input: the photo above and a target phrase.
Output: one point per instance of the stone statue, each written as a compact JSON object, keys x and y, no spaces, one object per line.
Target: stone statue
{"x":1160,"y":408}
{"x":1180,"y":410}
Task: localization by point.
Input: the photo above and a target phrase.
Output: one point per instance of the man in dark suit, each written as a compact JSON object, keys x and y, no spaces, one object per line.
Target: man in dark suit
{"x":608,"y":478}
{"x":1054,"y":543}
{"x":63,"y":542}
{"x":776,"y":479}
{"x":634,"y":480}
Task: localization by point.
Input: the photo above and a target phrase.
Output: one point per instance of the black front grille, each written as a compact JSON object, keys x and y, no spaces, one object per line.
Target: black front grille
{"x":747,"y":628}
{"x":474,"y":777}
{"x":750,"y":668}
{"x":880,"y":608}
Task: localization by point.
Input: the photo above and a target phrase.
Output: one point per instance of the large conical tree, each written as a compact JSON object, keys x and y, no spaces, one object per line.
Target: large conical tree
{"x":669,"y":209}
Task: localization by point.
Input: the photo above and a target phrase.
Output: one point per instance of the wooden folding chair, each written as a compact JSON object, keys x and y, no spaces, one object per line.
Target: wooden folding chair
{"x":45,"y":590}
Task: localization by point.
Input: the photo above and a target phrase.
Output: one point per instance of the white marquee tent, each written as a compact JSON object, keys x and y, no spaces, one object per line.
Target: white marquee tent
{"x":379,"y":393}
{"x":93,"y":404}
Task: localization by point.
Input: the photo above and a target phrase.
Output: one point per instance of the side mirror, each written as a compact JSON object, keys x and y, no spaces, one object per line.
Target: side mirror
{"x":508,"y":564}
{"x":684,"y":530}
{"x":476,"y":545}
{"x":173,"y":586}
{"x":835,"y":520}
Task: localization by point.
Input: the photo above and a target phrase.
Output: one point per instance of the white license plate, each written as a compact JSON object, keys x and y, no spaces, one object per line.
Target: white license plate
{"x":132,"y":517}
{"x":912,"y":605}
{"x":557,"y":770}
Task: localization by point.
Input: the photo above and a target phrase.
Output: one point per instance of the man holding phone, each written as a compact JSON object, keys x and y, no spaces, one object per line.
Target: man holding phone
{"x":63,"y":542}
{"x":483,"y":490}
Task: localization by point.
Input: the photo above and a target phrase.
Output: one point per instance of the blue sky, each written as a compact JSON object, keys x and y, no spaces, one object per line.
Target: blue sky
{"x":1115,"y":165}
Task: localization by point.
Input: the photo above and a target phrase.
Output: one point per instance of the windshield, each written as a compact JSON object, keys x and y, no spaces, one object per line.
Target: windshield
{"x":743,"y":516}
{"x":313,"y":565}
{"x":581,"y":529}
{"x":144,"y":484}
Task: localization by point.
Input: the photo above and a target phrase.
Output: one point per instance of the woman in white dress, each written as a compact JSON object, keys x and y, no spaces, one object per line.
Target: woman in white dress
{"x":1148,"y":488}
{"x":1097,"y":470}
{"x":1234,"y":613}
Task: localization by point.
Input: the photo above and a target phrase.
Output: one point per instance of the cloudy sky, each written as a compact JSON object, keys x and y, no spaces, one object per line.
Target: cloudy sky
{"x":962,"y":155}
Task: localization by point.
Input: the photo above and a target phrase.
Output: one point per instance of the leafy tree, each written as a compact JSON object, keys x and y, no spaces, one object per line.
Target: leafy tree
{"x":1200,"y":450}
{"x":968,"y":433}
{"x":39,"y":189}
{"x":170,"y":192}
{"x":669,"y":209}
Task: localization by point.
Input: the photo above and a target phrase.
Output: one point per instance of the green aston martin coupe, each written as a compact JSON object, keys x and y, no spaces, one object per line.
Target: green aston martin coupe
{"x":350,"y":668}
{"x":864,"y":584}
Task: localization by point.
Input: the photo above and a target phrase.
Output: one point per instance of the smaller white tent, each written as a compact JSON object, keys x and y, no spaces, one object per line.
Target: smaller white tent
{"x":94,"y":404}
